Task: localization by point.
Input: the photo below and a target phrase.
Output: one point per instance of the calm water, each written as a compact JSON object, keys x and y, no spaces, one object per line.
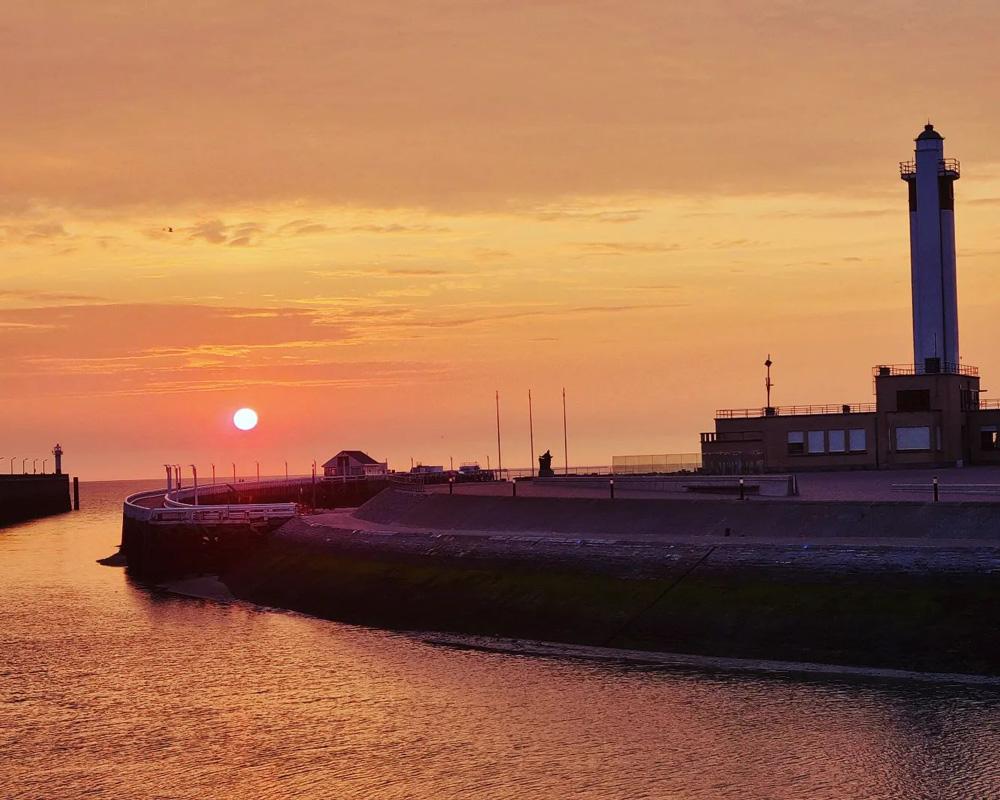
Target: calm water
{"x":110,"y":690}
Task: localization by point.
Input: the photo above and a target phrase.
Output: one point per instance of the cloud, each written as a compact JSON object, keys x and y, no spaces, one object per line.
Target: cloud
{"x":625,"y":248}
{"x":33,"y":233}
{"x":38,"y":296}
{"x":611,"y":216}
{"x":222,"y":107}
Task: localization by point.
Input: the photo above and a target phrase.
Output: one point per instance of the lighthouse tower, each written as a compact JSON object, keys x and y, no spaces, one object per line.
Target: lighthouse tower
{"x":931,"y":178}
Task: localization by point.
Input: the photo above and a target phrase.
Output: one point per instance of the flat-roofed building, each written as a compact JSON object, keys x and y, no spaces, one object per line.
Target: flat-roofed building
{"x":926,"y":413}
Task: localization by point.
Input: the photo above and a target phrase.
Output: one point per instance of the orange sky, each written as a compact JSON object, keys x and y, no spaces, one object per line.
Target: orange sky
{"x":383,"y":211}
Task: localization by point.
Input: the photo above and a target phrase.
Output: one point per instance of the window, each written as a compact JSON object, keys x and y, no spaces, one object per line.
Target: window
{"x":913,"y":400}
{"x":857,"y":440}
{"x":796,"y":443}
{"x":837,"y":441}
{"x":989,"y":439}
{"x":817,"y":441}
{"x":915,"y":438}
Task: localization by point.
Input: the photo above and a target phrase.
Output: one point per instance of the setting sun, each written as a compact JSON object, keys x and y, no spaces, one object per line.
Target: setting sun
{"x":245,"y":419}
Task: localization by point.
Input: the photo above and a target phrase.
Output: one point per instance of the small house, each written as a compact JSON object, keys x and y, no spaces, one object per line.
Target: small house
{"x":353,"y":464}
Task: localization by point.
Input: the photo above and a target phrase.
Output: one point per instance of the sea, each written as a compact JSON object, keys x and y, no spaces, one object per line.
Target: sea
{"x":114,"y":688}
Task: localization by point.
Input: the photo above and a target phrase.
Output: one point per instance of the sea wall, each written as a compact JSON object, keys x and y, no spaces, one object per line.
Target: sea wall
{"x":153,"y":550}
{"x":24,"y":497}
{"x":688,"y":517}
{"x":914,"y":607}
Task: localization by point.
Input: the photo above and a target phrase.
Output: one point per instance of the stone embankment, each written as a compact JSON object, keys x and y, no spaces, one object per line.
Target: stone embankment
{"x":24,"y":497}
{"x":890,"y":585}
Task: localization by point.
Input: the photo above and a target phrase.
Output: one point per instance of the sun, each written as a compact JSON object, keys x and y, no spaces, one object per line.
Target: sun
{"x":245,"y":419}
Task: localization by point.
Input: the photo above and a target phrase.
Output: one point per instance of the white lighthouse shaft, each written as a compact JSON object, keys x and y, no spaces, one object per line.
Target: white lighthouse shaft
{"x":930,"y":178}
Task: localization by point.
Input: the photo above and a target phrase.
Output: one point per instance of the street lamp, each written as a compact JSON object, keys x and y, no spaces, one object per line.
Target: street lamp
{"x":234,"y":472}
{"x":286,"y":472}
{"x":213,"y":474}
{"x":43,"y":465}
{"x":34,"y":466}
{"x":24,"y":466}
{"x":194,"y":472}
{"x":12,"y":464}
{"x":258,"y":470}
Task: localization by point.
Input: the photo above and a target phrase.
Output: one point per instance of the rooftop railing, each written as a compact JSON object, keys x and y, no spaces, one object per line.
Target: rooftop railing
{"x":951,"y":167}
{"x":942,"y":368}
{"x":794,"y":411}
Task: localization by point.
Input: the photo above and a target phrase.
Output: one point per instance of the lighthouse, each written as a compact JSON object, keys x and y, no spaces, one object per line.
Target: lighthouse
{"x":930,"y":179}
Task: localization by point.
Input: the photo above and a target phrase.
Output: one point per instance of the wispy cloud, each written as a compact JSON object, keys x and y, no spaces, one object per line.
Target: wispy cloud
{"x":625,"y":248}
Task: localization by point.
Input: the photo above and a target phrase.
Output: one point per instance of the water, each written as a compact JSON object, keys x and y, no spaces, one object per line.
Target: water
{"x":109,"y":689}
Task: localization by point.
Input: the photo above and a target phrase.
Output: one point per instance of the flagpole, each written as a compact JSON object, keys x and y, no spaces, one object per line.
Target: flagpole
{"x":565,"y":439}
{"x":499,"y":456}
{"x":531,"y":434}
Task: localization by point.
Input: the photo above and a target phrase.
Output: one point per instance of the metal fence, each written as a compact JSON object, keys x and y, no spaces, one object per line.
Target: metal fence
{"x":655,"y":464}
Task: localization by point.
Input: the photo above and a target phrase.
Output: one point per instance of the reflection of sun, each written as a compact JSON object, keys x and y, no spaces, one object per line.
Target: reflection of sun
{"x":245,"y":419}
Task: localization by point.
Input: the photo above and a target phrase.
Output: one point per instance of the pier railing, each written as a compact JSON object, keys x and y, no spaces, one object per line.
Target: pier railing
{"x":157,"y":507}
{"x":788,"y":411}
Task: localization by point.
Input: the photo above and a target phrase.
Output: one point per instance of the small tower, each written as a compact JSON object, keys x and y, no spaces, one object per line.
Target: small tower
{"x":57,"y":451}
{"x":930,"y":178}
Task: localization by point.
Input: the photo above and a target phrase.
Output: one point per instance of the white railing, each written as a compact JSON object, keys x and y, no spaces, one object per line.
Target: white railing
{"x":173,"y":512}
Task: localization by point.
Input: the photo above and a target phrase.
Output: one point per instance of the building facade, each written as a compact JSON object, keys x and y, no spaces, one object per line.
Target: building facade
{"x":928,"y":413}
{"x":354,"y":464}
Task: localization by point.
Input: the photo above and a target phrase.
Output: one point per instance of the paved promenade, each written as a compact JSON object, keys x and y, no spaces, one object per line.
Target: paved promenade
{"x":981,"y":484}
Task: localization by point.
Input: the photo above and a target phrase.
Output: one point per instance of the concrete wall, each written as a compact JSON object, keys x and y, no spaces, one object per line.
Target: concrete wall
{"x":790,"y":519}
{"x":910,"y":608}
{"x":25,"y":497}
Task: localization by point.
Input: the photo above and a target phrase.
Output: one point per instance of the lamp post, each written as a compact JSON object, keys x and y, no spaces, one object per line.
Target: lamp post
{"x":34,"y":466}
{"x":768,"y":410}
{"x":213,"y":474}
{"x":258,"y":470}
{"x":43,"y":465}
{"x":314,"y":484}
{"x":234,"y":472}
{"x":170,"y":477}
{"x":194,"y":473}
{"x":24,"y":466}
{"x":12,"y":464}
{"x":286,"y":472}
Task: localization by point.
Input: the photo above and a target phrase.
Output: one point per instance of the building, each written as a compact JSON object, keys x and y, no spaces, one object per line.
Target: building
{"x":354,"y":464}
{"x":928,"y":413}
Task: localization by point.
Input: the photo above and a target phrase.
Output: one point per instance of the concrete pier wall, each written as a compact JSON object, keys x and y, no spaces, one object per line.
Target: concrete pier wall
{"x":679,"y":517}
{"x":24,"y":497}
{"x":913,"y":607}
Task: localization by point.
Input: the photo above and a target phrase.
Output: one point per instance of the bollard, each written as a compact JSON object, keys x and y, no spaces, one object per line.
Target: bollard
{"x":743,"y":495}
{"x":76,"y":493}
{"x":513,"y":488}
{"x":936,"y":493}
{"x":611,"y":486}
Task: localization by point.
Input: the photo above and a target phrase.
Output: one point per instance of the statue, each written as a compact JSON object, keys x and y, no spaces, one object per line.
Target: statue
{"x":545,"y":465}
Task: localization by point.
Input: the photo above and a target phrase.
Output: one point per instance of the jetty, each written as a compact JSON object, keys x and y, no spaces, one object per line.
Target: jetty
{"x":893,"y":579}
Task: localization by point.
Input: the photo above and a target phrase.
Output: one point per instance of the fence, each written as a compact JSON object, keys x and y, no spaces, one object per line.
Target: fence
{"x":655,"y":464}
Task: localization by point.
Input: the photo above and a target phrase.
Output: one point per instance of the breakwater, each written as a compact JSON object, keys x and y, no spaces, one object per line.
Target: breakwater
{"x":921,"y":600}
{"x":164,"y":538}
{"x":24,"y":497}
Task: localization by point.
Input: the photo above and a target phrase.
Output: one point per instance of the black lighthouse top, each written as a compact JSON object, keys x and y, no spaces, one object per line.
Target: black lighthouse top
{"x":928,"y":133}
